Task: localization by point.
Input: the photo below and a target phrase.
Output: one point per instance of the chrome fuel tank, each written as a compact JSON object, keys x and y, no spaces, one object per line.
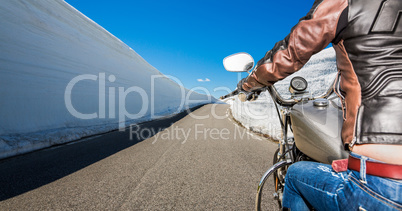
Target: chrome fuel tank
{"x":317,"y":129}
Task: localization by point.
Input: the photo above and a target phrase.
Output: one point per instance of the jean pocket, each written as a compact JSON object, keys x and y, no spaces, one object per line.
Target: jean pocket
{"x":370,"y":199}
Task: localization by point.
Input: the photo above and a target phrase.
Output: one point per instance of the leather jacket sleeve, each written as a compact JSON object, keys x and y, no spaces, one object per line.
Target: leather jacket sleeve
{"x":312,"y":34}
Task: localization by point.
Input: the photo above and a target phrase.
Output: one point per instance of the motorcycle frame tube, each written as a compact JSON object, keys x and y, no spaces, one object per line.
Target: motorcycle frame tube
{"x":286,"y":148}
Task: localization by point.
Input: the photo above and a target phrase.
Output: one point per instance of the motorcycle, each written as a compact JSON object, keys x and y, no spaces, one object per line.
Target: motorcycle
{"x":315,"y":122}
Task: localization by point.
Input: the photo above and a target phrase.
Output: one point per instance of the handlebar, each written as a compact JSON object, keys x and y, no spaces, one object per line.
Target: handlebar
{"x":290,"y":102}
{"x":279,"y":99}
{"x":235,"y":92}
{"x":244,"y":96}
{"x":330,"y":89}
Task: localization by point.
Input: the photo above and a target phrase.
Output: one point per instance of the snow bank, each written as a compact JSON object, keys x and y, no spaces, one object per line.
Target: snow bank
{"x":261,"y":115}
{"x":63,"y":77}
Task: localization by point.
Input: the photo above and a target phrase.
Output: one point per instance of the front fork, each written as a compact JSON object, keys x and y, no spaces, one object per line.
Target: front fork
{"x":282,"y":159}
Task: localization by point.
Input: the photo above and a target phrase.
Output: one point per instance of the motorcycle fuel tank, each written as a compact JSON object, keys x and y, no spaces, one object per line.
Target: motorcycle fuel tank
{"x":317,"y":128}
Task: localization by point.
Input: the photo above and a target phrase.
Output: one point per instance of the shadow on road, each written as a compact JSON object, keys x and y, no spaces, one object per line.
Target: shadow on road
{"x":27,"y":172}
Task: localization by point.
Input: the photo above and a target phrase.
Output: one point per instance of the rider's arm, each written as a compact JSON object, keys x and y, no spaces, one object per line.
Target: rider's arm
{"x":312,"y":34}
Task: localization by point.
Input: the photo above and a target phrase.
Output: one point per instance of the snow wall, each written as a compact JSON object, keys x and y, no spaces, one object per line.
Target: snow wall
{"x":63,"y":77}
{"x":261,"y":115}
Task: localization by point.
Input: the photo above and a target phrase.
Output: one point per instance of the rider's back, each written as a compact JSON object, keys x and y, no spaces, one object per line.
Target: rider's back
{"x":367,"y":38}
{"x":369,"y":52}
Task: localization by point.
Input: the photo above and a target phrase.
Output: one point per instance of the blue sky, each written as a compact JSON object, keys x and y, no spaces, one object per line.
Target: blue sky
{"x":189,"y":39}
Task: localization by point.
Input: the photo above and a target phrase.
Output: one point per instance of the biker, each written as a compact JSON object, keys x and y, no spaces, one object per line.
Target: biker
{"x":367,"y":38}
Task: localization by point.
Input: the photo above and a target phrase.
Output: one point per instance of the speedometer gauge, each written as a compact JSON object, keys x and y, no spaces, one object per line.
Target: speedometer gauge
{"x":298,"y":84}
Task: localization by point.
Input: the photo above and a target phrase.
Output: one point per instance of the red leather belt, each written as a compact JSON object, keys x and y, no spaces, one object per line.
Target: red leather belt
{"x":392,"y":171}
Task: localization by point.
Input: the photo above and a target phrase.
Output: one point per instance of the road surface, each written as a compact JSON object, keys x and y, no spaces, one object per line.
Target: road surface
{"x":193,"y":161}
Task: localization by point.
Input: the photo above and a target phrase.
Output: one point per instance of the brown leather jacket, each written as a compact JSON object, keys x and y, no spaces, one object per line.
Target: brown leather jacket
{"x":367,"y":37}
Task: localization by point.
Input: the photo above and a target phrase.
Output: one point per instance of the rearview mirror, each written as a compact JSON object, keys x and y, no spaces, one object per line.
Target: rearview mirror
{"x":239,"y":62}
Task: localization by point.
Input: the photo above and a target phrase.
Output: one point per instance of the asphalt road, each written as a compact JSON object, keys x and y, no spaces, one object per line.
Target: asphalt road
{"x":193,"y":161}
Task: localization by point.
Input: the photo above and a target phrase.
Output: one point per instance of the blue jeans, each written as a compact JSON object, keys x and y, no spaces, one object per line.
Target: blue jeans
{"x":315,"y":185}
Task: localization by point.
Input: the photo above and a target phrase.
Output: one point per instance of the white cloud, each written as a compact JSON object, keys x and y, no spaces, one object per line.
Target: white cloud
{"x":203,"y":80}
